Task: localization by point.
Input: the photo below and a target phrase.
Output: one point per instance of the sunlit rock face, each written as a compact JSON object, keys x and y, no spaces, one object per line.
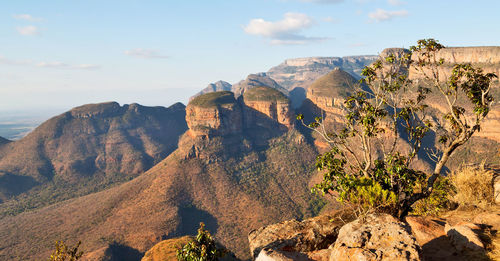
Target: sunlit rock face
{"x":214,"y":114}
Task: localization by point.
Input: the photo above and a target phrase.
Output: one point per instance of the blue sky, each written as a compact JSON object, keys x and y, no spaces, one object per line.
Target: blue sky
{"x":55,"y":55}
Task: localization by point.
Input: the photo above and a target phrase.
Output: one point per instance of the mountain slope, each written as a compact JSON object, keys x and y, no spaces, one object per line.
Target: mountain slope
{"x":301,"y":72}
{"x":91,"y":145}
{"x":255,"y":80}
{"x":234,"y":180}
{"x":3,"y":141}
{"x":214,"y":87}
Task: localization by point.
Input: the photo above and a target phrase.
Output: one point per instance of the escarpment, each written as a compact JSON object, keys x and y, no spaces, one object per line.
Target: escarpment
{"x":220,"y":114}
{"x":328,"y":93}
{"x":267,"y":102}
{"x":214,"y":114}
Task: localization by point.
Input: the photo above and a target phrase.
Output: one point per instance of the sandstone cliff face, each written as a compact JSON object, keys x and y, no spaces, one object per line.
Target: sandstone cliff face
{"x":263,"y":104}
{"x":302,"y":72}
{"x":214,"y":114}
{"x":328,"y":93}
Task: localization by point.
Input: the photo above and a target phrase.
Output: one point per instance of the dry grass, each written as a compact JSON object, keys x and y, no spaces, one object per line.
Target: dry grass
{"x":494,"y":254}
{"x":473,"y":186}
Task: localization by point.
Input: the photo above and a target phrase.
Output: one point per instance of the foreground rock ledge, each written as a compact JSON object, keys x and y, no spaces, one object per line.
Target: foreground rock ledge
{"x":298,"y":236}
{"x":377,"y":237}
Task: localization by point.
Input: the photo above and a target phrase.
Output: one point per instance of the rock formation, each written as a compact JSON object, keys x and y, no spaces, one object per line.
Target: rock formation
{"x":257,"y":80}
{"x":378,"y":237}
{"x":214,"y":114}
{"x":297,"y":236}
{"x":219,"y":113}
{"x":218,"y":86}
{"x":302,"y":72}
{"x":329,"y":92}
{"x":264,"y":104}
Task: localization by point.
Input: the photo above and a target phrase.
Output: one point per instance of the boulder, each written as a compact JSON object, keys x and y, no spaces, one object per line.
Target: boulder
{"x":377,"y":237}
{"x":425,"y":229}
{"x":296,"y":236}
{"x":430,"y":235}
{"x":464,"y":238}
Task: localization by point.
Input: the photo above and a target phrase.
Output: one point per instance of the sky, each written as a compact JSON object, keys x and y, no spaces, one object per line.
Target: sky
{"x":55,"y":55}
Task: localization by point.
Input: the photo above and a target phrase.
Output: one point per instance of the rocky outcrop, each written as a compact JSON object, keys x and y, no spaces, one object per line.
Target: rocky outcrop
{"x":378,"y":237}
{"x":263,"y":104}
{"x":220,"y":114}
{"x":485,"y":57}
{"x":302,"y":72}
{"x":328,"y":93}
{"x":257,"y":80}
{"x":296,"y":236}
{"x":218,"y":86}
{"x":214,"y":114}
{"x":464,"y":238}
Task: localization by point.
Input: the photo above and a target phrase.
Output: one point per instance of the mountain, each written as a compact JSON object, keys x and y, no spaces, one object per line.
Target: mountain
{"x":86,"y":149}
{"x":3,"y":141}
{"x":254,"y":80}
{"x":225,"y":172}
{"x":214,"y":87}
{"x":301,"y":72}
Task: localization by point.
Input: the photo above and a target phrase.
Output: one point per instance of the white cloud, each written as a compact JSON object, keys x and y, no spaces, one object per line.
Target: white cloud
{"x":330,"y":19}
{"x":323,"y":1}
{"x":285,"y":31}
{"x":146,"y":53}
{"x":27,"y":17}
{"x":381,"y":15}
{"x":396,"y":2}
{"x":28,"y":30}
{"x":55,"y":65}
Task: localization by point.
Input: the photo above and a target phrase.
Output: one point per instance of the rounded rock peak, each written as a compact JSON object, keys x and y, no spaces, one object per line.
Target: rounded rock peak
{"x":213,"y":99}
{"x":96,"y":109}
{"x":263,"y":93}
{"x":334,"y":84}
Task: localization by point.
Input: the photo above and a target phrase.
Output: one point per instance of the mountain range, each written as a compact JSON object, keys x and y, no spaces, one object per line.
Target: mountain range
{"x":122,"y":178}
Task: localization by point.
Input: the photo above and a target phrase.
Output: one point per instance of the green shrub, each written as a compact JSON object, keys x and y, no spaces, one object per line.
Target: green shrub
{"x":438,"y":200}
{"x":202,"y":248}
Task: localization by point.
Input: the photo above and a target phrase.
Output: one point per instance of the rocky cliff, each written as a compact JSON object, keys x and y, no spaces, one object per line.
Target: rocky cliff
{"x":256,"y":80}
{"x":302,"y":72}
{"x":214,"y":114}
{"x":263,"y":104}
{"x":218,"y":86}
{"x":329,"y":91}
{"x":219,"y":113}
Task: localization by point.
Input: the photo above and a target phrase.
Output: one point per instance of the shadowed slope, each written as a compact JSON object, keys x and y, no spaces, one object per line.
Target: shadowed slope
{"x":92,"y":145}
{"x":239,"y":188}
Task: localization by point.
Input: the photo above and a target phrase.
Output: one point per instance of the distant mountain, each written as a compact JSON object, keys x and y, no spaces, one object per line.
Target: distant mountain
{"x":302,"y":72}
{"x":88,"y":148}
{"x":3,"y":141}
{"x":214,"y":87}
{"x":255,"y":80}
{"x":226,"y":172}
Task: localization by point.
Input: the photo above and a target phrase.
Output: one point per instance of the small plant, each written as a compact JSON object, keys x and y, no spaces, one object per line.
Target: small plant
{"x":474,"y":186}
{"x":438,"y":201}
{"x":202,"y":248}
{"x":66,"y":253}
